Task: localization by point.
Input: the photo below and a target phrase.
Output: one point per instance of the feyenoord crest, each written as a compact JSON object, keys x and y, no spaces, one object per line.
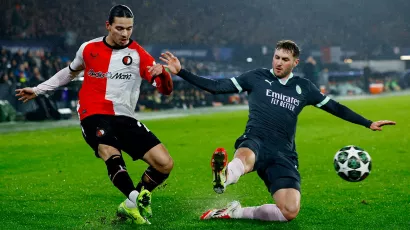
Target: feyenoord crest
{"x":298,"y":89}
{"x":127,"y":60}
{"x":100,"y":133}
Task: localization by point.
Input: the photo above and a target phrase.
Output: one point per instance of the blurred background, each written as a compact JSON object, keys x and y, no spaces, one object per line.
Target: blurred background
{"x":360,"y":48}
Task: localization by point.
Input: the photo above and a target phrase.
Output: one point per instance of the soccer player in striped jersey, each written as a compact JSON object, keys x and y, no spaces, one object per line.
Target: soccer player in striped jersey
{"x":114,"y":66}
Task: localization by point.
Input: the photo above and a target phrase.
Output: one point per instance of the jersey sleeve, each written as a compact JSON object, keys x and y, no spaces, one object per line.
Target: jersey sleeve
{"x":145,"y":60}
{"x":315,"y":97}
{"x":243,"y":82}
{"x":78,"y":63}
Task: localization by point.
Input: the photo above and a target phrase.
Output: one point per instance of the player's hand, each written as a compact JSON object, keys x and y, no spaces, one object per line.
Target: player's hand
{"x":25,"y":94}
{"x":172,"y":62}
{"x":155,"y":70}
{"x":377,"y":125}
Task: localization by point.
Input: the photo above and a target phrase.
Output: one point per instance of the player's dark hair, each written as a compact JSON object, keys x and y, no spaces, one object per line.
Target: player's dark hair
{"x":290,"y":46}
{"x":121,"y":11}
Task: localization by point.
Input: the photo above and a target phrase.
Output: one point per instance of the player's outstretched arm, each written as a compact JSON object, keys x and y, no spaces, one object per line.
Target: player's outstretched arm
{"x":347,"y":114}
{"x":162,"y":79}
{"x":61,"y":78}
{"x":210,"y":85}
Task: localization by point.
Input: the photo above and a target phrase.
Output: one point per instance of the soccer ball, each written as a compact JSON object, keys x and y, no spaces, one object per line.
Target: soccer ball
{"x":352,"y":163}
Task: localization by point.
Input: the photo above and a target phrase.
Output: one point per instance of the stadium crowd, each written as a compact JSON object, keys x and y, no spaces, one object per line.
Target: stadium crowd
{"x":218,"y":22}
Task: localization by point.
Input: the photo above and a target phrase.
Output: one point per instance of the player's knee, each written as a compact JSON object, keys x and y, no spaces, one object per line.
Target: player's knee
{"x":289,"y":210}
{"x":106,"y":151}
{"x":166,"y":166}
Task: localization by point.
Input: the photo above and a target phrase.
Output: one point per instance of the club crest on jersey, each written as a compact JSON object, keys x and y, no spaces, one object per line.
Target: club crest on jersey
{"x":298,"y":89}
{"x":127,"y":60}
{"x":100,"y":133}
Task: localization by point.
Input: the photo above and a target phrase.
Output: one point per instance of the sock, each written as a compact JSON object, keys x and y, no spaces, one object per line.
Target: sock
{"x":266,"y":212}
{"x":118,"y":174}
{"x":130,"y":204}
{"x":235,"y":170}
{"x":151,"y":179}
{"x":132,"y":199}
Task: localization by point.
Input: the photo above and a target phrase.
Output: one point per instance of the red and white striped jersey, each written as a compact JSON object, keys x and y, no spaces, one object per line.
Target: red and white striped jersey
{"x":112,"y":77}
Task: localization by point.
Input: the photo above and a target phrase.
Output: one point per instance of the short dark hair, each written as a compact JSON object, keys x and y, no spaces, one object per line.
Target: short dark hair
{"x":121,"y":11}
{"x":290,"y":46}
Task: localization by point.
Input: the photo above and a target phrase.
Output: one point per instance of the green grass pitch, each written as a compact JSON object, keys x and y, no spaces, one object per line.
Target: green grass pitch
{"x":50,"y":179}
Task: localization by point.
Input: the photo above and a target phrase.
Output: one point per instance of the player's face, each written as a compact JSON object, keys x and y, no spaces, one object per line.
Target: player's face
{"x":120,"y":30}
{"x":283,"y":63}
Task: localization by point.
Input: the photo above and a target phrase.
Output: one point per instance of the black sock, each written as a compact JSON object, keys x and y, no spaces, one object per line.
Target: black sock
{"x":151,"y":179}
{"x":118,"y":174}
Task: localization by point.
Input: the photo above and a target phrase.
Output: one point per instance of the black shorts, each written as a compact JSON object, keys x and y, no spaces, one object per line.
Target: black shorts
{"x":124,"y":133}
{"x":278,"y":168}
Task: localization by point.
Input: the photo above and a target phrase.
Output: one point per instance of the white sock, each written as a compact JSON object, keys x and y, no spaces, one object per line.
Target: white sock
{"x":266,"y":212}
{"x":130,"y":204}
{"x":235,"y":170}
{"x":132,"y":199}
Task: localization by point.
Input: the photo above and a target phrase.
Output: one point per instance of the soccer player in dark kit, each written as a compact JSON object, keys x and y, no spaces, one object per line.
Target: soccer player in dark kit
{"x":276,"y":97}
{"x":114,"y":66}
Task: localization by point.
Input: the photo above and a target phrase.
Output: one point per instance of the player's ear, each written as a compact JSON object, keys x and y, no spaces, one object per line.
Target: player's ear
{"x":296,"y":62}
{"x":107,"y":25}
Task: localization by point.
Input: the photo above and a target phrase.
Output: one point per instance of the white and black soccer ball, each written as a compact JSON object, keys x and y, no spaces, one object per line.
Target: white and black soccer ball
{"x":352,"y":163}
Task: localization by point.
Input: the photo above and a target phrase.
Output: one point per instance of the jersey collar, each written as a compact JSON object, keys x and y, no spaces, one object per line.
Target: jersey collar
{"x":280,"y":81}
{"x":116,"y":47}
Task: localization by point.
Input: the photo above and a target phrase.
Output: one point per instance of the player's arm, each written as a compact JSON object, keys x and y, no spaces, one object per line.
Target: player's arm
{"x":213,"y":86}
{"x":154,"y":73}
{"x":61,"y":78}
{"x":333,"y":107}
{"x":341,"y":111}
{"x":161,"y":79}
{"x":221,"y":86}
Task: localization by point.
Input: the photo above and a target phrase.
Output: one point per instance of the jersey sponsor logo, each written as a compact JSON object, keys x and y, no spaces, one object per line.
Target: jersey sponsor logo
{"x":119,"y":76}
{"x":98,"y":74}
{"x":127,"y":60}
{"x":270,"y":82}
{"x":298,"y":89}
{"x":282,"y":100}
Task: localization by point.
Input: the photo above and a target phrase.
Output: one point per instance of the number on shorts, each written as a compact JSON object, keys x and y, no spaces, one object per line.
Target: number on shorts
{"x":140,"y":124}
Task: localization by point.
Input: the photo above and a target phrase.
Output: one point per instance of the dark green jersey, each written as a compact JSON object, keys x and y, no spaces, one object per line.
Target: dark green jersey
{"x":274,"y":106}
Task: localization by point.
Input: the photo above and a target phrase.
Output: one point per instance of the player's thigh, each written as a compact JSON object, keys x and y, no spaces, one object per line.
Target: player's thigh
{"x":135,"y":138}
{"x":247,"y":148}
{"x":159,"y":158}
{"x":280,"y":172}
{"x":99,"y":133}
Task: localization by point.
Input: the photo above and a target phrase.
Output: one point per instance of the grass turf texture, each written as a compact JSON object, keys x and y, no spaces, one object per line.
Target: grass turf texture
{"x":50,"y":179}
